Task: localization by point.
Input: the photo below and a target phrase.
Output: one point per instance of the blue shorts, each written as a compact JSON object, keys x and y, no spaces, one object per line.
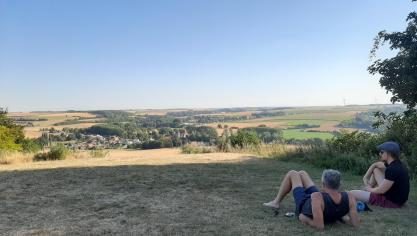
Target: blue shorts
{"x":301,"y":195}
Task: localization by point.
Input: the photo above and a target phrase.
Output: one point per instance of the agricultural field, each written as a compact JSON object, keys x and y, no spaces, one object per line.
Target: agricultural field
{"x":164,"y":192}
{"x":325,"y":118}
{"x":302,"y":134}
{"x":52,"y":119}
{"x":322,"y":120}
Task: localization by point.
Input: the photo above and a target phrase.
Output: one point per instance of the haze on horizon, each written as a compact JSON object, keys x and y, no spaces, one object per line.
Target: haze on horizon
{"x":90,"y":55}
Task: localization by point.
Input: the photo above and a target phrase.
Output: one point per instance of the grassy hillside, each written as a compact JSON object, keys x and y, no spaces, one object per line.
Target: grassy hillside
{"x":167,"y":193}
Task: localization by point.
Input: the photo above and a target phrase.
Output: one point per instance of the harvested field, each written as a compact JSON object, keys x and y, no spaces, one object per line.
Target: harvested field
{"x":53,"y":118}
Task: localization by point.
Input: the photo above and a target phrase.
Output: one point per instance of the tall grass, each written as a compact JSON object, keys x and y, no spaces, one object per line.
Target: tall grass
{"x":99,"y":153}
{"x":325,"y":158}
{"x":195,"y":149}
{"x":14,"y":157}
{"x":56,"y":153}
{"x":266,"y":150}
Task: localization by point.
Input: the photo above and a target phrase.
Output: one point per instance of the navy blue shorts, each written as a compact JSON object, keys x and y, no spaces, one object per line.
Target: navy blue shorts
{"x":301,"y":195}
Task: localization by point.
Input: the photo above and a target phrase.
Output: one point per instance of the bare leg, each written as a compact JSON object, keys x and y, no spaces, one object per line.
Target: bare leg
{"x":372,"y":181}
{"x":306,"y":179}
{"x":379,"y":176}
{"x":374,"y":175}
{"x":361,"y":195}
{"x":368,"y":175}
{"x":291,"y":180}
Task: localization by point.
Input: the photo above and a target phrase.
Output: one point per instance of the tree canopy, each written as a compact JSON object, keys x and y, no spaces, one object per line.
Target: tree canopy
{"x":398,"y":74}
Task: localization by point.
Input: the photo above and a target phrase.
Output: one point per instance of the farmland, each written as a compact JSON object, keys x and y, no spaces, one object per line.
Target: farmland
{"x":296,"y":122}
{"x":52,"y":118}
{"x":325,"y":120}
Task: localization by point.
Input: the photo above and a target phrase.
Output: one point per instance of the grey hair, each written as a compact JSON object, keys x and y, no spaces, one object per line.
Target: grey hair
{"x":331,"y":179}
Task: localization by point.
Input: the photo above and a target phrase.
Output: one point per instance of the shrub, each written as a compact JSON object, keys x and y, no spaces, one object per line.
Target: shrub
{"x":58,"y":152}
{"x":30,"y":146}
{"x":9,"y":140}
{"x":266,"y":134}
{"x":193,"y":149}
{"x":153,"y":144}
{"x":244,"y":139}
{"x":223,"y":143}
{"x":325,"y":158}
{"x":348,"y":142}
{"x":99,"y":153}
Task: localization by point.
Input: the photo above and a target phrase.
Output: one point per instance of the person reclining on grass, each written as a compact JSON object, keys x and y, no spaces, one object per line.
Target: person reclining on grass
{"x":387,"y":182}
{"x":317,"y":208}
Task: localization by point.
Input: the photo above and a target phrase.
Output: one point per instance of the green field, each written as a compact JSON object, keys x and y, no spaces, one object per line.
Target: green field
{"x":327,"y":118}
{"x":301,"y":134}
{"x":302,"y":122}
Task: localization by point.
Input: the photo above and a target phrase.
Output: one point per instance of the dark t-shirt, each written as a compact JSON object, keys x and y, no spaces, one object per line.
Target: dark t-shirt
{"x":399,"y":191}
{"x":332,"y":212}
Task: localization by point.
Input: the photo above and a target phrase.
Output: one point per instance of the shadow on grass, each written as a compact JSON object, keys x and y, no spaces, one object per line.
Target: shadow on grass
{"x":222,"y":198}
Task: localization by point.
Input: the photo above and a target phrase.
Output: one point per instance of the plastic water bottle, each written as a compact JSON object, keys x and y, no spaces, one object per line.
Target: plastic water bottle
{"x":360,"y":206}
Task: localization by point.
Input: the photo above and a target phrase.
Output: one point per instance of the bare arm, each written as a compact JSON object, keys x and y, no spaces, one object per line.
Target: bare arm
{"x":353,"y":213}
{"x":385,"y":186}
{"x":317,"y":208}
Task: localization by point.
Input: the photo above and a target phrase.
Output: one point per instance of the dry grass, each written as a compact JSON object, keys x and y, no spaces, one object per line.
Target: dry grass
{"x":124,"y":157}
{"x":265,"y":150}
{"x":10,"y":158}
{"x":162,"y":192}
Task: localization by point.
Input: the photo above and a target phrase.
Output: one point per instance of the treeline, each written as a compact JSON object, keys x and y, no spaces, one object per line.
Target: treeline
{"x":266,"y":135}
{"x":114,"y":115}
{"x":362,"y":120}
{"x":214,"y":119}
{"x":28,"y":119}
{"x":365,"y":120}
{"x":248,"y":137}
{"x":78,"y":120}
{"x":267,"y":114}
{"x":190,"y":113}
{"x":254,"y":110}
{"x":175,"y":119}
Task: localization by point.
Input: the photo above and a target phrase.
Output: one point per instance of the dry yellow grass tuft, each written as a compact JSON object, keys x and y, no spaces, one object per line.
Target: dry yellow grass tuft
{"x":15,"y":158}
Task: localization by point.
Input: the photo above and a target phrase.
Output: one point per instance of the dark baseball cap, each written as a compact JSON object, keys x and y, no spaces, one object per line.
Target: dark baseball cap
{"x":391,"y":147}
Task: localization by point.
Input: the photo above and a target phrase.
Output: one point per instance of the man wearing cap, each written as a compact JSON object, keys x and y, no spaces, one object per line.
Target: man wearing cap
{"x":387,"y":182}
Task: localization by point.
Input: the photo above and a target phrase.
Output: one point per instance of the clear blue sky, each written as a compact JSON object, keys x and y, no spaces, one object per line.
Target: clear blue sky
{"x":118,"y":54}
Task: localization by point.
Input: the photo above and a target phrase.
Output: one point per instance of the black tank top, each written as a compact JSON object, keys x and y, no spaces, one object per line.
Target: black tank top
{"x":332,"y":212}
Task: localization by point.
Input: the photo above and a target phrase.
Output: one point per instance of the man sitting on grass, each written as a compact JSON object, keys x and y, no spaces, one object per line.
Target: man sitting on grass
{"x":317,"y":208}
{"x":387,"y":183}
